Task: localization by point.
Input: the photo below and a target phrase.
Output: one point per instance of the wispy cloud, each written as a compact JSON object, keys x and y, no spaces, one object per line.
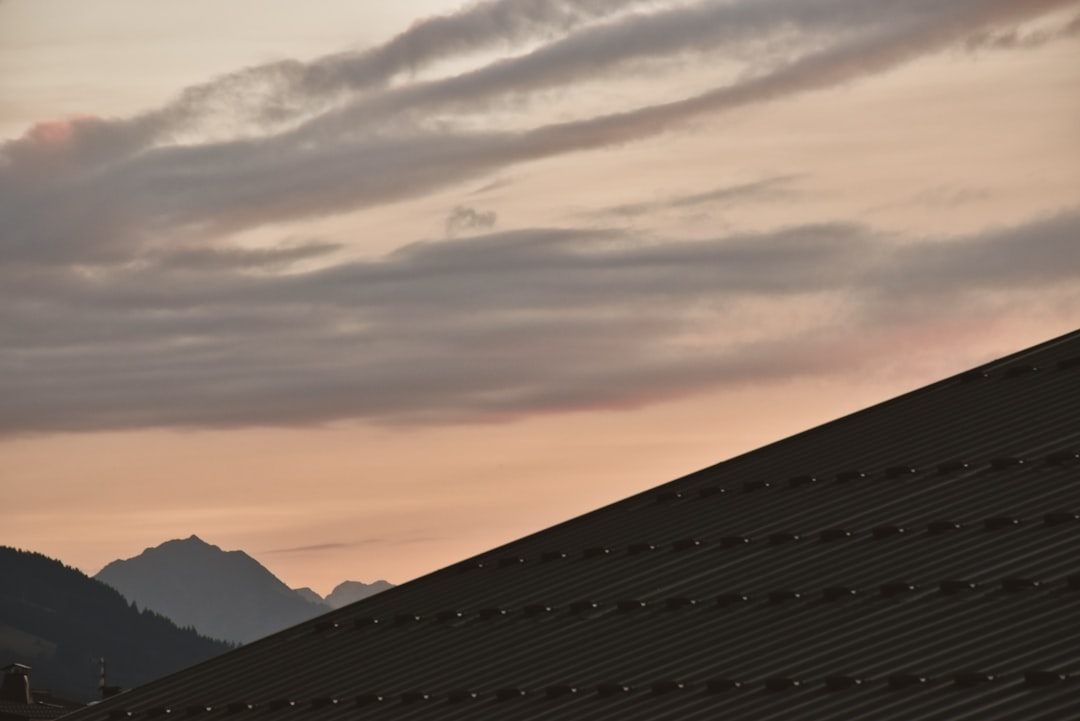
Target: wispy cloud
{"x":346,"y":545}
{"x":204,"y":258}
{"x":463,"y":219}
{"x":768,"y":189}
{"x":275,"y":92}
{"x":318,"y":547}
{"x":76,"y":194}
{"x":1016,"y":39}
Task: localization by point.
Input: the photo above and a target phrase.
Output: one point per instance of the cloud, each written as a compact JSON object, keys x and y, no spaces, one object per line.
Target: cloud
{"x":64,"y":211}
{"x":494,"y":327}
{"x":494,"y":184}
{"x":125,"y":303}
{"x":1000,"y":259}
{"x":201,"y":258}
{"x":277,"y":91}
{"x":338,"y":546}
{"x":463,"y":219}
{"x":474,"y":28}
{"x":774,"y":188}
{"x":949,"y":197}
{"x":600,"y":50}
{"x":940,"y":197}
{"x":1017,"y":39}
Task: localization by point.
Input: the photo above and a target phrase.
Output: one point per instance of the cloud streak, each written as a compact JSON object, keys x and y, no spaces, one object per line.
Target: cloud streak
{"x":767,"y":189}
{"x":338,"y":546}
{"x":1015,"y":39}
{"x":108,"y":212}
{"x":275,"y":92}
{"x":487,"y":328}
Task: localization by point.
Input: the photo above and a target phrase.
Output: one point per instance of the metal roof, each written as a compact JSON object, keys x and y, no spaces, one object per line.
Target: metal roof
{"x":919,"y":559}
{"x":10,"y":711}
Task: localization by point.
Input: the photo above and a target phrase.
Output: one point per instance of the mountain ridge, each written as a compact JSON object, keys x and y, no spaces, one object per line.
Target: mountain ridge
{"x":224,"y":594}
{"x":348,"y":592}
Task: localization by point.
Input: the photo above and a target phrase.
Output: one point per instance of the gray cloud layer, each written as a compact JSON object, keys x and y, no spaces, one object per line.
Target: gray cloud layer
{"x":475,"y":329}
{"x":121,"y":307}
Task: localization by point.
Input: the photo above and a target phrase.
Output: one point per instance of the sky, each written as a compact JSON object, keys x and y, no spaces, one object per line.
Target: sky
{"x":366,"y":288}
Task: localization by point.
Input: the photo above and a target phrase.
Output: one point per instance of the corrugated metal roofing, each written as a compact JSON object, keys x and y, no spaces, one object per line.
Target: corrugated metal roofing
{"x":37,"y":711}
{"x":917,"y":560}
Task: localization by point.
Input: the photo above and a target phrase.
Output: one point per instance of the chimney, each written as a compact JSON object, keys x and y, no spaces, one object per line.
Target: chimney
{"x":16,"y":684}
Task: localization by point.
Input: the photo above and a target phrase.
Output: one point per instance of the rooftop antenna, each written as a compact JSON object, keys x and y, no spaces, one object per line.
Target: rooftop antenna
{"x":103,"y":688}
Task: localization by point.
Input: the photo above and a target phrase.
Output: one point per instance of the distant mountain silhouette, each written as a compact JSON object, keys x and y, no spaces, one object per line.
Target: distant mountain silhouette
{"x":59,"y":621}
{"x":352,"y":591}
{"x":309,"y":594}
{"x":224,"y":594}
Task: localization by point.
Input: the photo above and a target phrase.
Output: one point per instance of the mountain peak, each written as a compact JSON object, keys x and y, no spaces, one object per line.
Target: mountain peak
{"x":192,"y":543}
{"x":224,"y":594}
{"x":348,"y":592}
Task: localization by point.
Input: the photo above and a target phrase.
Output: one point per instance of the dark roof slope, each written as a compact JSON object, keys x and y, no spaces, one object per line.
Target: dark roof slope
{"x":10,"y":711}
{"x":916,"y":560}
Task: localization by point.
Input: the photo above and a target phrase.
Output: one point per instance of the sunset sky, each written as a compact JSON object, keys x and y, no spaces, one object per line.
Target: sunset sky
{"x":363,"y":288}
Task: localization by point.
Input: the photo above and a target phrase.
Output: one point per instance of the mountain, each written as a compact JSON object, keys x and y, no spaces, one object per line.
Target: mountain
{"x":309,"y":594}
{"x":59,"y":621}
{"x":224,"y":594}
{"x":345,"y":593}
{"x":352,"y":591}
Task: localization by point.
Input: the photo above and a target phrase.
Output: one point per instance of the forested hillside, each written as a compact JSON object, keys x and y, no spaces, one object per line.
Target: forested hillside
{"x":59,"y":621}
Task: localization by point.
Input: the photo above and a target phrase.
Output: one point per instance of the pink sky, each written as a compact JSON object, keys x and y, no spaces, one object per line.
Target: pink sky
{"x":362,"y":292}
